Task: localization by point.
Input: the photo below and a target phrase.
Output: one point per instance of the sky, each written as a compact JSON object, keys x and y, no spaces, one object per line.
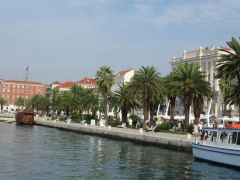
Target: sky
{"x":67,"y":40}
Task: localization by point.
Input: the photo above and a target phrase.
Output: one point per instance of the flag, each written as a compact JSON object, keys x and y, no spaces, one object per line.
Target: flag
{"x":27,"y":67}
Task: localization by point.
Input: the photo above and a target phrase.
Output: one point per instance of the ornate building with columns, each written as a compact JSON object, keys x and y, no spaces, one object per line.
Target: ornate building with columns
{"x":206,"y":58}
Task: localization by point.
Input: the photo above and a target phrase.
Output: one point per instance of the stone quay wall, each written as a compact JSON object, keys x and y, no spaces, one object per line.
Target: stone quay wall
{"x":166,"y":140}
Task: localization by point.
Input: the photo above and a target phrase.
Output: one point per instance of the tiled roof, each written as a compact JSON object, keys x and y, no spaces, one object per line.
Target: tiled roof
{"x":22,"y":82}
{"x":87,"y":81}
{"x":56,"y":82}
{"x":67,"y":84}
{"x":123,"y":72}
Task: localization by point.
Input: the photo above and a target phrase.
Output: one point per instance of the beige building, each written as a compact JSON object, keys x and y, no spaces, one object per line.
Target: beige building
{"x":87,"y":83}
{"x":122,"y":77}
{"x":207,"y":59}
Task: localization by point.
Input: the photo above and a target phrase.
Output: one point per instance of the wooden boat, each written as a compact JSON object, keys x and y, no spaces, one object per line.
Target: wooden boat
{"x":25,"y":117}
{"x":219,"y":145}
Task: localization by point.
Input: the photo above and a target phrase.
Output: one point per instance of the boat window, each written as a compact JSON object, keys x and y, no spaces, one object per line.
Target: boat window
{"x":238,"y":139}
{"x":223,"y":137}
{"x":202,"y":135}
{"x":234,"y":137}
{"x":214,"y":136}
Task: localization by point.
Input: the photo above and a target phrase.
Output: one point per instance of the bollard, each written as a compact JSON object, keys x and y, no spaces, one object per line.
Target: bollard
{"x":109,"y":127}
{"x":141,"y":130}
{"x":189,"y":136}
{"x":85,"y":124}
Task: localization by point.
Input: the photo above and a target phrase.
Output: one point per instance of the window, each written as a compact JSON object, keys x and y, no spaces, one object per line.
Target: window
{"x":234,"y":137}
{"x":204,"y":66}
{"x":214,"y":136}
{"x":238,"y":139}
{"x":223,"y":137}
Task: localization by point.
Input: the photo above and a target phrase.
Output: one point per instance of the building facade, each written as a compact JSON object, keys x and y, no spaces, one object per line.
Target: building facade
{"x":207,"y":59}
{"x":122,"y":77}
{"x":11,"y":90}
{"x":87,"y":83}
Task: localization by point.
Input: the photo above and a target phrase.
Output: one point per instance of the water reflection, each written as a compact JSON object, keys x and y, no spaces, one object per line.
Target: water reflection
{"x":43,"y":153}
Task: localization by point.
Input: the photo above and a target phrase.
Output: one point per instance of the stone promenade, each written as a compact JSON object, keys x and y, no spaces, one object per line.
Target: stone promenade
{"x":167,"y":140}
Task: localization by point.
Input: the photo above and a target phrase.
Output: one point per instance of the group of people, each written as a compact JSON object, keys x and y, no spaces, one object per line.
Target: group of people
{"x":147,"y":124}
{"x":197,"y":128}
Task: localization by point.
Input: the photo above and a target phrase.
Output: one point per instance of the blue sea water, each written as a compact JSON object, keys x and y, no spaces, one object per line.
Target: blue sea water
{"x":40,"y":153}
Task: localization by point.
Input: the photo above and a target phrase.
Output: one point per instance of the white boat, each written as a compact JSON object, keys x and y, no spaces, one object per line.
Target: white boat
{"x":219,"y":145}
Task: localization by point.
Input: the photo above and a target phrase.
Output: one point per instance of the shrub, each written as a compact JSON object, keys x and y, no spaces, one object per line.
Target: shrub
{"x":135,"y":118}
{"x":162,"y":127}
{"x":87,"y":118}
{"x":190,"y":128}
{"x":75,"y":117}
{"x":112,"y":122}
{"x":63,"y":118}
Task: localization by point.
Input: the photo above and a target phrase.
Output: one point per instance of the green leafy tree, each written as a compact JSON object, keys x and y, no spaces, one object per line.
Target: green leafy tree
{"x":68,"y":102}
{"x":35,"y":102}
{"x":125,"y":100}
{"x":45,"y":103}
{"x":147,"y":84}
{"x":55,"y":101}
{"x":20,"y":102}
{"x":190,"y":82}
{"x":105,"y":80}
{"x":91,"y":101}
{"x":228,"y":68}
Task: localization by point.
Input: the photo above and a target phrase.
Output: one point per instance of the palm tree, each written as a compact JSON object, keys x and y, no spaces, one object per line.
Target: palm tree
{"x":232,"y":93}
{"x":198,"y":98}
{"x":171,"y":91}
{"x":2,"y":102}
{"x":228,"y":68}
{"x":146,"y":82}
{"x":125,"y":100}
{"x":225,"y":88}
{"x":68,"y":102}
{"x":189,"y":81}
{"x":55,"y":100}
{"x":90,"y":101}
{"x":105,"y":80}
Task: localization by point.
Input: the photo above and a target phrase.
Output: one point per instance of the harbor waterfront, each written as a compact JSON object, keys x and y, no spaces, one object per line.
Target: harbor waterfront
{"x":167,"y":140}
{"x":39,"y":153}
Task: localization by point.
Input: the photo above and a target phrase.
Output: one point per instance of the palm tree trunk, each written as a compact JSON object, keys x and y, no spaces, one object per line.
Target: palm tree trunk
{"x":172,"y":109}
{"x":239,"y":98}
{"x":239,"y":112}
{"x":151,"y":111}
{"x":145,"y":109}
{"x":124,"y":115}
{"x":224,"y":109}
{"x":105,"y":104}
{"x":197,"y":108}
{"x":187,"y":104}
